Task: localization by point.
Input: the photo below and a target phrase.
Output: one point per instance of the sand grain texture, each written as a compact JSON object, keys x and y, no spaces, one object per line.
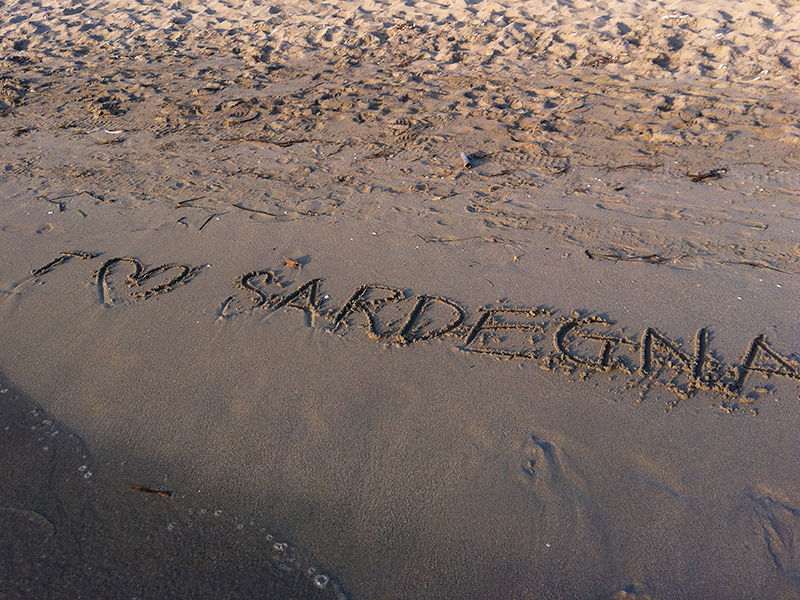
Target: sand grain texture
{"x":242,"y":262}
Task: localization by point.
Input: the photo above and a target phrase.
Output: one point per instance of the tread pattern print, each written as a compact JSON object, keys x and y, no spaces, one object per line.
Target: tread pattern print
{"x":576,"y":120}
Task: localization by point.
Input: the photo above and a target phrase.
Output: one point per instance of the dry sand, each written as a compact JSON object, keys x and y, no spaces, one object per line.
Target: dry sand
{"x":276,"y":341}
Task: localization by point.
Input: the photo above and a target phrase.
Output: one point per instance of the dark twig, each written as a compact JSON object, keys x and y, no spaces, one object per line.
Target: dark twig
{"x":712,"y":174}
{"x":138,"y":488}
{"x":207,"y":221}
{"x":254,"y":210}
{"x":649,"y":258}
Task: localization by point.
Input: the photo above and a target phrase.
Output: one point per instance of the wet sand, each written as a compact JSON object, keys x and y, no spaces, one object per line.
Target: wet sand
{"x":248,"y":279}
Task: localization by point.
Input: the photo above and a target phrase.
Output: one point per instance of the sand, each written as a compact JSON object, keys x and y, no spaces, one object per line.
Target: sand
{"x":264,"y":335}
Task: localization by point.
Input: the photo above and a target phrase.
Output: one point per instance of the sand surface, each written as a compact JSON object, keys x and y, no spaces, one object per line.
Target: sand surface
{"x":264,"y":335}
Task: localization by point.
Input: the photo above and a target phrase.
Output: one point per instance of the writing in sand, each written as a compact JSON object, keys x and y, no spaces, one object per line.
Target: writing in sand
{"x":574,"y":343}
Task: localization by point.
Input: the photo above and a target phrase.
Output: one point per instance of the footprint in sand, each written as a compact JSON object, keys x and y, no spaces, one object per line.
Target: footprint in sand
{"x":567,"y":519}
{"x":780,"y":523}
{"x":544,"y":469}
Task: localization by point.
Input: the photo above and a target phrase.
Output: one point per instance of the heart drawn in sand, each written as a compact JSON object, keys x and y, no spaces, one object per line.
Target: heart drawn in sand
{"x":139,"y":277}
